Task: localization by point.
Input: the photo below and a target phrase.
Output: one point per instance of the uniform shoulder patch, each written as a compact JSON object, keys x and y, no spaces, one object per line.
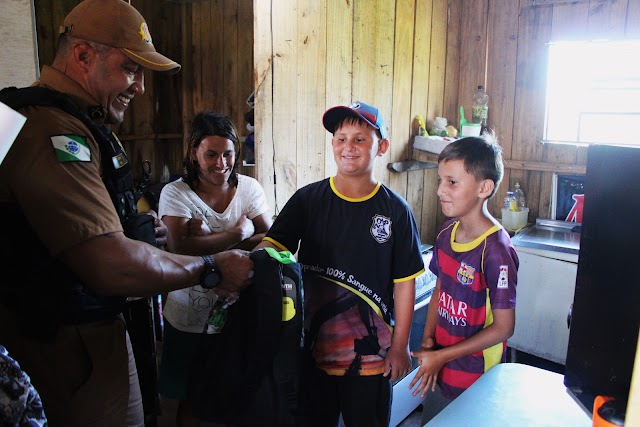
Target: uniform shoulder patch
{"x":71,"y":148}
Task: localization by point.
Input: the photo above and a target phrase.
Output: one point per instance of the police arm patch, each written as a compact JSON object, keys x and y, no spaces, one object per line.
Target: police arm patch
{"x":71,"y":148}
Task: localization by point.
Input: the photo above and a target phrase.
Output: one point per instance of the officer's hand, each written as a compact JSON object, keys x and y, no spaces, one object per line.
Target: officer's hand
{"x":236,"y":268}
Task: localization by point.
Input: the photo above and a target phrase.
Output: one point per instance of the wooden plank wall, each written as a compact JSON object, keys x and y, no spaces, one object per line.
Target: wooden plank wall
{"x":211,"y":39}
{"x":17,"y":28}
{"x":408,"y":57}
{"x":411,"y":57}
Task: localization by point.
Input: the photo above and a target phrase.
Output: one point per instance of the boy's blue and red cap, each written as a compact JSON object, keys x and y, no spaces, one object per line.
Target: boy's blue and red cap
{"x":366,"y":112}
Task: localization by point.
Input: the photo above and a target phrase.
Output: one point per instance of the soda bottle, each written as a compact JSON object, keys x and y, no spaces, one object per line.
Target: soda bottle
{"x":480,"y":107}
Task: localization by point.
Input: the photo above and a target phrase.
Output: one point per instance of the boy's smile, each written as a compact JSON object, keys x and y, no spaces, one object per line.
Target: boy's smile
{"x":355,"y":148}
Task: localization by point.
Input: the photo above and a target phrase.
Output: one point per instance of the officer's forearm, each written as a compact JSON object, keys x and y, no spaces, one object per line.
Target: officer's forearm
{"x":112,"y":264}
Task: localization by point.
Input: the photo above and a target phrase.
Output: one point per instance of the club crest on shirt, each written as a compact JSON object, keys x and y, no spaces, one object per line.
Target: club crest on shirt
{"x":465,"y":274}
{"x":503,"y":278}
{"x":381,"y":228}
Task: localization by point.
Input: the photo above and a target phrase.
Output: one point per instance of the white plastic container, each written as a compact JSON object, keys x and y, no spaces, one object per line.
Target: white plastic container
{"x":432,"y":144}
{"x":514,"y":220}
{"x":470,"y":129}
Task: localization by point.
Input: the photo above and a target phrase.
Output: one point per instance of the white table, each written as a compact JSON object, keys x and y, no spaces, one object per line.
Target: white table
{"x":513,"y":394}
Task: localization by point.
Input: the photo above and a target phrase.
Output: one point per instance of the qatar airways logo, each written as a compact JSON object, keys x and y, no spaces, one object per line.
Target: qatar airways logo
{"x":455,"y":312}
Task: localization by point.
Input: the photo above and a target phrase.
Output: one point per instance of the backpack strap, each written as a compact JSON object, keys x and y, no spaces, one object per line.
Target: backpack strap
{"x":37,"y":95}
{"x":283,"y":257}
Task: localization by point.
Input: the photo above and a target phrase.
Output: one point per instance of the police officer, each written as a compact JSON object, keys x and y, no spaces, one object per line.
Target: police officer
{"x":68,"y":207}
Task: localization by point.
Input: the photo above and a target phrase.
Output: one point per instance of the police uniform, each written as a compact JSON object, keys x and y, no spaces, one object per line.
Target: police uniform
{"x":53,"y":175}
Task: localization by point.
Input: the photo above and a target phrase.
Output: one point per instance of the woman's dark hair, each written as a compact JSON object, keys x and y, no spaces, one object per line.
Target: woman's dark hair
{"x":204,"y":124}
{"x":482,"y":157}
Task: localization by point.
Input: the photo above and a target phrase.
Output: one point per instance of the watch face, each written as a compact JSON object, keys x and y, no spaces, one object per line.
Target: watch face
{"x":211,"y":279}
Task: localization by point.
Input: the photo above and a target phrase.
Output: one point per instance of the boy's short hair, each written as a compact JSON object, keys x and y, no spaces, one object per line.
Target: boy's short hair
{"x":482,"y":157}
{"x":356,"y":112}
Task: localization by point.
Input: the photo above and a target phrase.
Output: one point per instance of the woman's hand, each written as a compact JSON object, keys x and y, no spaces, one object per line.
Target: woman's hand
{"x":245,"y":227}
{"x":197,"y":227}
{"x":160,"y":230}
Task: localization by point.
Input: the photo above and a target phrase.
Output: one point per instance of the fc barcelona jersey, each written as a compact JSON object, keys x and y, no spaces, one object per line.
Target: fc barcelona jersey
{"x":475,"y":279}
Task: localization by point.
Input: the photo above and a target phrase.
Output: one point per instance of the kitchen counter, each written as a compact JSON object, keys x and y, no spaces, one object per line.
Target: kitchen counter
{"x":548,"y":254}
{"x":552,"y":238}
{"x":513,"y":394}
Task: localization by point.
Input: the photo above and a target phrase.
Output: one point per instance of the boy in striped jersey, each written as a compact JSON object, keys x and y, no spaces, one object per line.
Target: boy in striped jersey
{"x":472,"y":311}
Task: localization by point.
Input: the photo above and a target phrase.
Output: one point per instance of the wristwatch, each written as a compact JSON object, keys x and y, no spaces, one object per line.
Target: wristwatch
{"x":211,"y":276}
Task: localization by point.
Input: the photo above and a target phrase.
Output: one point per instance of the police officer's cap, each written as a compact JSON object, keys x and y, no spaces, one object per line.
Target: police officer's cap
{"x":117,"y":24}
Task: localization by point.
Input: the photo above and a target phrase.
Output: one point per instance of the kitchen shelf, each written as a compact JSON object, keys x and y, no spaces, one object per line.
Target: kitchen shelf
{"x":564,"y":168}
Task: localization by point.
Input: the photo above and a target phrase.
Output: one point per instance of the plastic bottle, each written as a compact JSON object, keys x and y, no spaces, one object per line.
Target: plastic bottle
{"x":510,"y":201}
{"x":480,"y":108}
{"x":219,"y":313}
{"x":506,"y":201}
{"x":519,"y":195}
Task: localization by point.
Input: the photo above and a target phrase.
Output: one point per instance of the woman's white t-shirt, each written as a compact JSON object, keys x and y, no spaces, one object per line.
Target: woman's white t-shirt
{"x":187,"y":309}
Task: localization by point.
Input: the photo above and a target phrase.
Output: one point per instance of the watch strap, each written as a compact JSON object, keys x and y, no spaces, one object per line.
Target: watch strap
{"x":211,"y":275}
{"x":209,"y":261}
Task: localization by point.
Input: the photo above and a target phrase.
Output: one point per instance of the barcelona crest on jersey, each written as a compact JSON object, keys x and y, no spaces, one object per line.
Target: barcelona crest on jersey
{"x":465,"y":274}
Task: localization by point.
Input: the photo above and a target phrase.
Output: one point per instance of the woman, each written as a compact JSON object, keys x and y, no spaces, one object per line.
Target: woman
{"x":211,"y":208}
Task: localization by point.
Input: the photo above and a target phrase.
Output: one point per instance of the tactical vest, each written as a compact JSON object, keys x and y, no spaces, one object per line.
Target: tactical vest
{"x":49,"y":294}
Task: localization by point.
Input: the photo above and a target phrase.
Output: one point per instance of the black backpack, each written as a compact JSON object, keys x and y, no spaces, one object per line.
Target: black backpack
{"x":247,"y":375}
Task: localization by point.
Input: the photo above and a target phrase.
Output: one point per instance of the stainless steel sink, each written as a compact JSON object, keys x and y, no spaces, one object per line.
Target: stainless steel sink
{"x":549,"y":234}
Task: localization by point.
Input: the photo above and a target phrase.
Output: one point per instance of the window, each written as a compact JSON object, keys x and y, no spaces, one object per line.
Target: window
{"x":593,"y":93}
